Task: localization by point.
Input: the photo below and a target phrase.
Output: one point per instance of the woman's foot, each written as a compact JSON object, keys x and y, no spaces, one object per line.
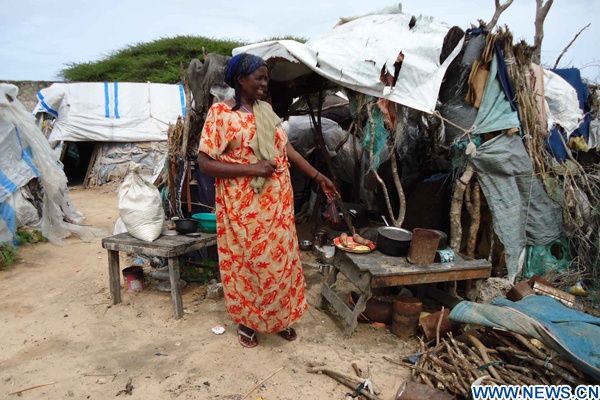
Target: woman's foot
{"x":246,"y":336}
{"x":288,"y":334}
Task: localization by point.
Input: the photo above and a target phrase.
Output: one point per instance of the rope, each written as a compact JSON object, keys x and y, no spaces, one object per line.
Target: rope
{"x":493,"y":364}
{"x":466,"y":132}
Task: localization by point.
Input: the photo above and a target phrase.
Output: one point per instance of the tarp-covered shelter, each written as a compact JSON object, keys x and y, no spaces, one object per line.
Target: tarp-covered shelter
{"x":33,"y":188}
{"x":113,"y":123}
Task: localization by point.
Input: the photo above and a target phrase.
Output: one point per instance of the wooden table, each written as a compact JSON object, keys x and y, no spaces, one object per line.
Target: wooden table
{"x":170,"y":247}
{"x":377,"y":270}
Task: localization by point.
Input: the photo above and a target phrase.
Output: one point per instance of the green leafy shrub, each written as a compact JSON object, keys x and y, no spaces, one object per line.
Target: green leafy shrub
{"x":156,"y":61}
{"x":8,"y":254}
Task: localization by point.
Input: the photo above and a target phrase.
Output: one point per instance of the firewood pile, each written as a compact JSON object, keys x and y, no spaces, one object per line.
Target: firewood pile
{"x":489,"y":357}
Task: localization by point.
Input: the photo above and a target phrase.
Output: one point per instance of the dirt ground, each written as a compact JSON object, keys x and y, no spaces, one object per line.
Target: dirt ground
{"x":58,"y":327}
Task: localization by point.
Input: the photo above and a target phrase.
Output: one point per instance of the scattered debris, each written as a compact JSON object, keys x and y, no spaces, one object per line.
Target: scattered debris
{"x":261,"y":382}
{"x":218,"y":330}
{"x":31,"y":388}
{"x":128,"y":388}
{"x":215,"y":291}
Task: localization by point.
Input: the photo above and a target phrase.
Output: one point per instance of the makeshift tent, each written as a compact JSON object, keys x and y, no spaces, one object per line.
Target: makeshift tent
{"x":26,"y":155}
{"x":357,"y":54}
{"x":125,"y":122}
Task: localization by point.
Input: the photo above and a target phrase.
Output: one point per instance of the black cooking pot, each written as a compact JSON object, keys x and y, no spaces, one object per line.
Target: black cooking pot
{"x":186,"y":225}
{"x":358,"y":216}
{"x":393,"y":241}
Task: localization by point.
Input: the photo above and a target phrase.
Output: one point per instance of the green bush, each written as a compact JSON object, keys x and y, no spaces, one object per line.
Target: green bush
{"x":156,"y":61}
{"x":8,"y":254}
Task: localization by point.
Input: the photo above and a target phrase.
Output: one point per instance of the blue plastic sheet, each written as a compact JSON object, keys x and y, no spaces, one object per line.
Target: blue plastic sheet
{"x":574,"y":334}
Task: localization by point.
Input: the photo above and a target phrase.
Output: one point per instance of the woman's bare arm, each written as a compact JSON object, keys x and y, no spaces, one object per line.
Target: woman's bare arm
{"x":224,"y":170}
{"x":299,"y":162}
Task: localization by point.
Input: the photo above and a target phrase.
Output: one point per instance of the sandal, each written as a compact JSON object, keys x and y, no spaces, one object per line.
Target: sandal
{"x":288,"y":334}
{"x":252,"y":337}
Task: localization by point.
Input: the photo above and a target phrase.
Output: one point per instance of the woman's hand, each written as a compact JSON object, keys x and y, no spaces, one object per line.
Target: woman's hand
{"x":264,"y":168}
{"x":328,"y":187}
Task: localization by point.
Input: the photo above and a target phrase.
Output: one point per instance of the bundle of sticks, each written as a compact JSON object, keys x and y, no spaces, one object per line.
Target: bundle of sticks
{"x":490,"y":357}
{"x":175,"y":136}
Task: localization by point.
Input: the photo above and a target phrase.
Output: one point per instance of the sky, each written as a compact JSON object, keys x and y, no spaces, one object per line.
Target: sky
{"x":38,"y":39}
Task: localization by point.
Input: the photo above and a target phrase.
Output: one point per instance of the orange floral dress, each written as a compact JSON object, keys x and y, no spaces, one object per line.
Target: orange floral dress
{"x":259,"y":256}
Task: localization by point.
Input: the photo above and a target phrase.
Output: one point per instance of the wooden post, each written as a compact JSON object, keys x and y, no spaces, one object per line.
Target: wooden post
{"x":188,"y":110}
{"x":318,"y":133}
{"x":114,"y":274}
{"x":175,"y":292}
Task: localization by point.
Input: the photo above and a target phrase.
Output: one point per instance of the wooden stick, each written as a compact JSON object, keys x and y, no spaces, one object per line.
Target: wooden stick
{"x":344,"y":380}
{"x":569,"y":45}
{"x":318,"y":134}
{"x":540,"y":363}
{"x":539,"y":354}
{"x":261,"y":382}
{"x":484,"y":355}
{"x":188,"y":110}
{"x":395,"y":221}
{"x":31,"y":388}
{"x":437,"y":329}
{"x":456,"y":207}
{"x":437,"y":376}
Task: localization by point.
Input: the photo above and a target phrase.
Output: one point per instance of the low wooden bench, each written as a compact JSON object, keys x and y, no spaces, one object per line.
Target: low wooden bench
{"x":377,"y":270}
{"x":171,"y":247}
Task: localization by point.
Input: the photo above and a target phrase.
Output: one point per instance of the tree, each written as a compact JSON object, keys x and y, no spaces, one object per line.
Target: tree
{"x":540,"y":15}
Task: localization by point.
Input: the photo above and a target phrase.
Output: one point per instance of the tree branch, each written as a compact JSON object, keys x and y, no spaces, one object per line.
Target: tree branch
{"x":540,"y":15}
{"x":569,"y":45}
{"x":499,"y":10}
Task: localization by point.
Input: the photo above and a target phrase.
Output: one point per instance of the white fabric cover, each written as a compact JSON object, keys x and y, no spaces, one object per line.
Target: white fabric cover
{"x":563,"y":103}
{"x":353,"y":55}
{"x":111,"y":112}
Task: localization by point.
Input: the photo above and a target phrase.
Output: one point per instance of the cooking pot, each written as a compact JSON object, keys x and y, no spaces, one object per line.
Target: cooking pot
{"x":358,"y":216}
{"x":393,"y":241}
{"x":186,"y":225}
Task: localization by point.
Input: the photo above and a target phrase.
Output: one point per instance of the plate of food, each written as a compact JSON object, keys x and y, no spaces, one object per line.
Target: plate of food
{"x":353,"y":244}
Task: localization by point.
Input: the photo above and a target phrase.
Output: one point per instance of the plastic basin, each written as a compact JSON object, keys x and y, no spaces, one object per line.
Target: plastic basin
{"x":207,"y":222}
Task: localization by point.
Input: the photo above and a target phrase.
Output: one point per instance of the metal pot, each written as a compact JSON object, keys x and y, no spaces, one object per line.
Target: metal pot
{"x":186,"y":225}
{"x":393,"y":241}
{"x":305,"y":245}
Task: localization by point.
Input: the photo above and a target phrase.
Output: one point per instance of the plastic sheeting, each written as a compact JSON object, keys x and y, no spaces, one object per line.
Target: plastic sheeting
{"x":521,"y":210}
{"x":562,"y":102}
{"x":495,"y":112}
{"x":300,"y":133}
{"x":111,"y":112}
{"x":57,"y":208}
{"x":16,"y":167}
{"x":571,"y":333}
{"x":356,"y":53}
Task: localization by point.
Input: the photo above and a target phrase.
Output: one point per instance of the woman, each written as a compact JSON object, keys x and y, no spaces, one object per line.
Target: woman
{"x":245,"y":148}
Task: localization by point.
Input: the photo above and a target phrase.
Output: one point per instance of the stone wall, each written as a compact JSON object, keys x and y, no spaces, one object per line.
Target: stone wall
{"x":28,"y":91}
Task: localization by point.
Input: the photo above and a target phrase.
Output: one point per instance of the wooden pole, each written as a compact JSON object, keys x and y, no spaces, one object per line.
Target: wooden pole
{"x":188,"y":110}
{"x":318,"y":133}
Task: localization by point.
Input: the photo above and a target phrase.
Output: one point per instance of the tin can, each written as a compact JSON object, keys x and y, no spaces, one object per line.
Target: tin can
{"x":445,"y":256}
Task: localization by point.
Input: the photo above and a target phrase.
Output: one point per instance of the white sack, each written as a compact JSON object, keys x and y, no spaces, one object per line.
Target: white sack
{"x":140,"y":207}
{"x":119,"y":227}
{"x":563,"y":103}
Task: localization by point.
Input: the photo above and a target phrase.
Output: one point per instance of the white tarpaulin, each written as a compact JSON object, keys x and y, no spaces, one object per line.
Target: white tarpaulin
{"x":355,"y":53}
{"x":111,"y":112}
{"x":33,"y":149}
{"x":563,"y":103}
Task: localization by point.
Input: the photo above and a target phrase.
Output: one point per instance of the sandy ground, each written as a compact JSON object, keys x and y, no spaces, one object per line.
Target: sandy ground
{"x":58,"y":327}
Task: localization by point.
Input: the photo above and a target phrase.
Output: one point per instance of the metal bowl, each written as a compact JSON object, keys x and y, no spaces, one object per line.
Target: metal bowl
{"x":305,"y":245}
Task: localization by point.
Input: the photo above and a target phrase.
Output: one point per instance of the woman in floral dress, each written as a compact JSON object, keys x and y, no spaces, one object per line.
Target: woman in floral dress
{"x":246,"y":149}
